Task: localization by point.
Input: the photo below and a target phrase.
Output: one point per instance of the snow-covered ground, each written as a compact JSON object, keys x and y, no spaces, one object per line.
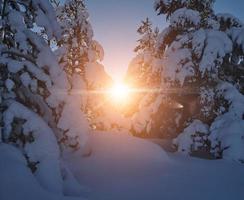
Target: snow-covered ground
{"x":124,"y":167}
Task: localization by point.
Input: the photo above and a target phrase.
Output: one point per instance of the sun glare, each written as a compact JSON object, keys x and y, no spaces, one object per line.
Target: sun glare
{"x":120,"y":92}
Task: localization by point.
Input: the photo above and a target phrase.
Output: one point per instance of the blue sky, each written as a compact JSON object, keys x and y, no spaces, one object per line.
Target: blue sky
{"x":115,"y":23}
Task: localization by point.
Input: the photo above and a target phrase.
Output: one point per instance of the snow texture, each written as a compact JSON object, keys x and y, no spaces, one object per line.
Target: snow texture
{"x":237,"y":36}
{"x":184,"y":16}
{"x":217,"y":45}
{"x":185,"y":142}
{"x":17,"y":181}
{"x":77,"y":126}
{"x":44,"y":149}
{"x":177,"y":63}
{"x":96,"y":75}
{"x":228,"y":127}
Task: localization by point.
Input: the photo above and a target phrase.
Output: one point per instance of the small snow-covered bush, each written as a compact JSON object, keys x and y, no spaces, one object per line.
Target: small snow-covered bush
{"x":193,"y":138}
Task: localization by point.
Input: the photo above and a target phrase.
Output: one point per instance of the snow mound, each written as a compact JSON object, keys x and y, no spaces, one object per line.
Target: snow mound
{"x":17,"y":181}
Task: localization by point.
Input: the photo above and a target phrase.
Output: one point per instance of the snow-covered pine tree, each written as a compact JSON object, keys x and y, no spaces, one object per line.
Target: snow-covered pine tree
{"x":76,"y":38}
{"x":142,"y":75}
{"x":71,"y":52}
{"x":80,"y":55}
{"x":233,"y":65}
{"x":33,"y":89}
{"x":200,"y":53}
{"x":226,"y":132}
{"x":139,"y":72}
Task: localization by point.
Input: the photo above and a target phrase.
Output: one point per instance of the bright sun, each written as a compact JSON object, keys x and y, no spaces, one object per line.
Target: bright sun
{"x":120,"y":92}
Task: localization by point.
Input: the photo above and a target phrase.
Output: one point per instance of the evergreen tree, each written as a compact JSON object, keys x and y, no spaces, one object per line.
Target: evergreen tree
{"x":200,"y":53}
{"x":71,"y":50}
{"x":34,"y":89}
{"x":143,"y":75}
{"x":80,"y":56}
{"x":139,"y":71}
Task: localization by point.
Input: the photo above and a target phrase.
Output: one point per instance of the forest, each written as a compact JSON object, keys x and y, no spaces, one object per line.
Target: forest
{"x":172,"y":129}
